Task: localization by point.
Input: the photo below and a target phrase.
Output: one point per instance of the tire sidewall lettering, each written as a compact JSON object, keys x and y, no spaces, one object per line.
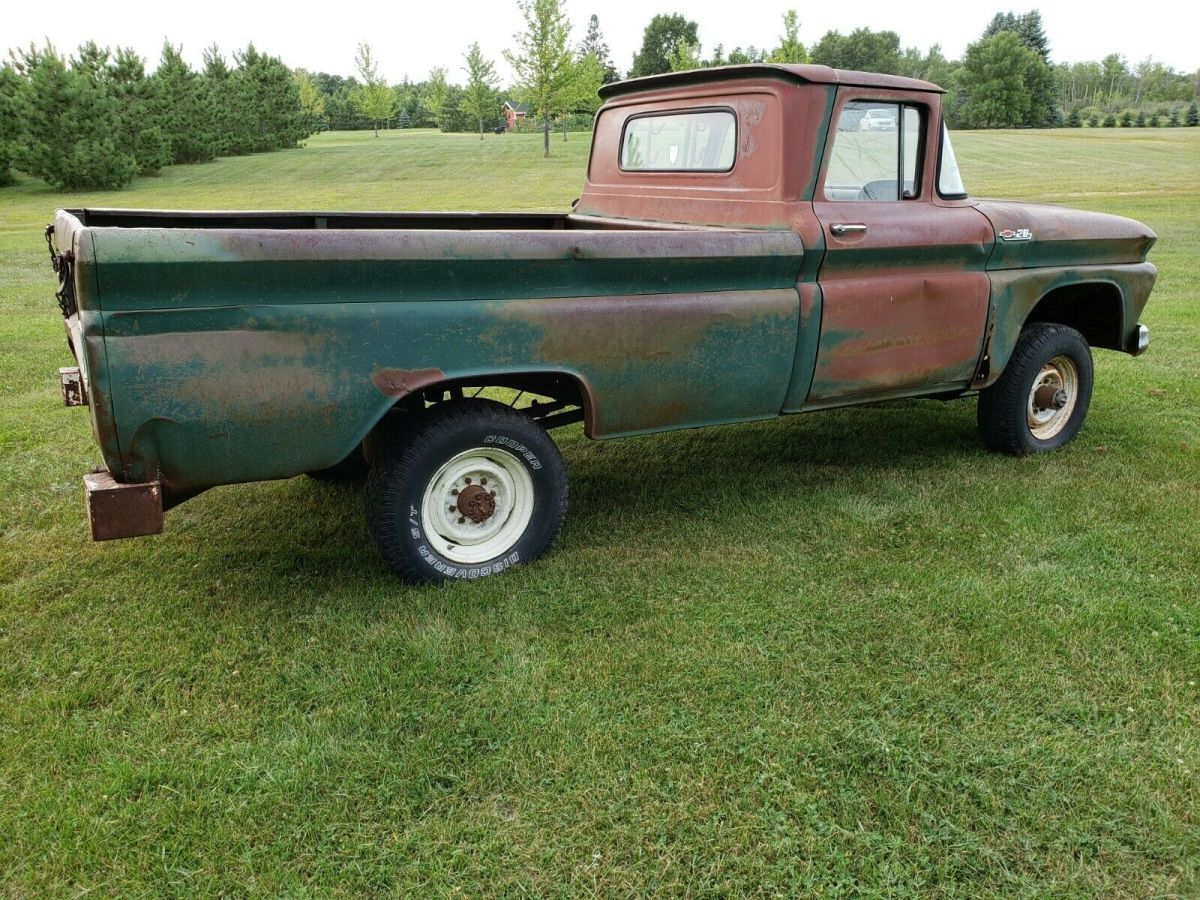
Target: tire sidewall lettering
{"x":516,"y":446}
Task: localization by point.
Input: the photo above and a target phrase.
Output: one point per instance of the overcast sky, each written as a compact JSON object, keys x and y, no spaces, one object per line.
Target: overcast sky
{"x":409,"y":38}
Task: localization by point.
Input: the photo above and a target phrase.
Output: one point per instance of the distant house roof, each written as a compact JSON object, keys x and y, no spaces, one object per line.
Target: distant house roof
{"x":517,"y":107}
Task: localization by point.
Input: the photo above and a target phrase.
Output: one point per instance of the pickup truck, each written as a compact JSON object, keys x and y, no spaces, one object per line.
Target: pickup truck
{"x":744,"y":247}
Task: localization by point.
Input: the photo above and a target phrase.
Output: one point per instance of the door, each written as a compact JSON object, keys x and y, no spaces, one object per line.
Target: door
{"x":905,"y":294}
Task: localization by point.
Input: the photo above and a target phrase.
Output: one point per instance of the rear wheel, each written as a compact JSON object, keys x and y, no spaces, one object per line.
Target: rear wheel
{"x":1040,"y":400}
{"x":467,"y":490}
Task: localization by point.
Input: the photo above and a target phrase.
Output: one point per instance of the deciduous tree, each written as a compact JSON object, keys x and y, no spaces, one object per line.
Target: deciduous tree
{"x":994,"y":80}
{"x":684,"y":57}
{"x":373,"y":98}
{"x":790,"y":50}
{"x":546,"y":71}
{"x":436,"y":97}
{"x":312,"y":101}
{"x":659,"y":42}
{"x":480,"y":100}
{"x":863,"y":50}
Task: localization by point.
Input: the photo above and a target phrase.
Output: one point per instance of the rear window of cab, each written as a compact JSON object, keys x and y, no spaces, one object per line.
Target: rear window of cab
{"x":700,"y":140}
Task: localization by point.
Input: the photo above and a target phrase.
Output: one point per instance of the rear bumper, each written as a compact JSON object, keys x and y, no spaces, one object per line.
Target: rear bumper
{"x":118,"y":510}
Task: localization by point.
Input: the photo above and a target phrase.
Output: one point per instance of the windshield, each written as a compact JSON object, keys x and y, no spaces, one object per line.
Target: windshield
{"x":950,"y":183}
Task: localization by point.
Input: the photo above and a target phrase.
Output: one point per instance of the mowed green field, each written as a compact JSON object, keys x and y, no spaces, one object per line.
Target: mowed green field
{"x":849,"y":653}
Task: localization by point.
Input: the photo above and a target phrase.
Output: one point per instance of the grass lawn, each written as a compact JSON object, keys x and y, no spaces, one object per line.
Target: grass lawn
{"x":849,"y":652}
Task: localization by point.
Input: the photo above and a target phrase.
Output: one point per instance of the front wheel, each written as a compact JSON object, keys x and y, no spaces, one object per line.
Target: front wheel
{"x":1041,"y":398}
{"x":469,"y":490}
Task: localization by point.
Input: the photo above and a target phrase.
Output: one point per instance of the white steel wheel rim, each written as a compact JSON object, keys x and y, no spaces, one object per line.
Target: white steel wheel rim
{"x":1046,"y":421}
{"x":477,"y":529}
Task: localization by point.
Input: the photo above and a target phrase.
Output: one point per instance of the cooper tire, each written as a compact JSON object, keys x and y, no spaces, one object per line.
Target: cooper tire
{"x":467,"y":490}
{"x":1041,"y":398}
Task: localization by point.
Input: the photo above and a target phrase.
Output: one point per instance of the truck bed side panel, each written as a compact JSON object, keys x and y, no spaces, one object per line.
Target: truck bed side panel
{"x":251,"y":357}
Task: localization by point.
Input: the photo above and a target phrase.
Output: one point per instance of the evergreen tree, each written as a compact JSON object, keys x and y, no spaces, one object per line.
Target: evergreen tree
{"x":1073,"y":120}
{"x":181,"y":105}
{"x":593,"y":45}
{"x":1140,"y":121}
{"x":1193,"y":115}
{"x":1127,"y":119}
{"x":1173,"y":119}
{"x":69,"y":118}
{"x":1110,"y":121}
{"x":141,"y":133}
{"x":11,"y":86}
{"x":266,"y":87}
{"x":230,"y":134}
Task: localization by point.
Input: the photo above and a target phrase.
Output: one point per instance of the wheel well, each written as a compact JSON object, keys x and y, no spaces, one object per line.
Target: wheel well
{"x":1094,"y":310}
{"x":552,"y":399}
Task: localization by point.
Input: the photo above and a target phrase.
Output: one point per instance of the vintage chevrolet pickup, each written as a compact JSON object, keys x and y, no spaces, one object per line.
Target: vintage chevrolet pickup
{"x":750,"y":241}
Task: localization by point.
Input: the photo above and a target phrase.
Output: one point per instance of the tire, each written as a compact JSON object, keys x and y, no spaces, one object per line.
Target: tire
{"x":468,"y":490}
{"x":353,"y":468}
{"x":1021,"y":413}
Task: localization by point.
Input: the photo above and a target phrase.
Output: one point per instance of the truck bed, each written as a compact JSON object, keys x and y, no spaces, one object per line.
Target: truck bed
{"x":222,"y":346}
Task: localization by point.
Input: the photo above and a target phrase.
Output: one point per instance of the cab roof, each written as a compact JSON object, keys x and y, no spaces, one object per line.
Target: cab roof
{"x":807,"y":74}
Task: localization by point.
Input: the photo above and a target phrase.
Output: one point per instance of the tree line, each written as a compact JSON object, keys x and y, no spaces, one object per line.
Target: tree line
{"x":97,"y":120}
{"x":558,"y":81}
{"x":1005,"y":79}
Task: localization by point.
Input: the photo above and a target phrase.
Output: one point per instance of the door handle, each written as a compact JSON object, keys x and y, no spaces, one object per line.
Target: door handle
{"x":841,"y":229}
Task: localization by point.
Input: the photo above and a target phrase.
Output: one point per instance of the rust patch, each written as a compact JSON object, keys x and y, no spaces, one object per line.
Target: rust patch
{"x":118,"y":510}
{"x":477,"y":503}
{"x":402,"y":382}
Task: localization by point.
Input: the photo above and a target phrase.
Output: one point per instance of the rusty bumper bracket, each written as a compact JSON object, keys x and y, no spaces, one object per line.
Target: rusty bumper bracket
{"x":118,"y":510}
{"x":73,"y":391}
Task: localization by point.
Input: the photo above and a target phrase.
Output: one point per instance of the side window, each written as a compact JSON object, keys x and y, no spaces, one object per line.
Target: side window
{"x":877,"y":152}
